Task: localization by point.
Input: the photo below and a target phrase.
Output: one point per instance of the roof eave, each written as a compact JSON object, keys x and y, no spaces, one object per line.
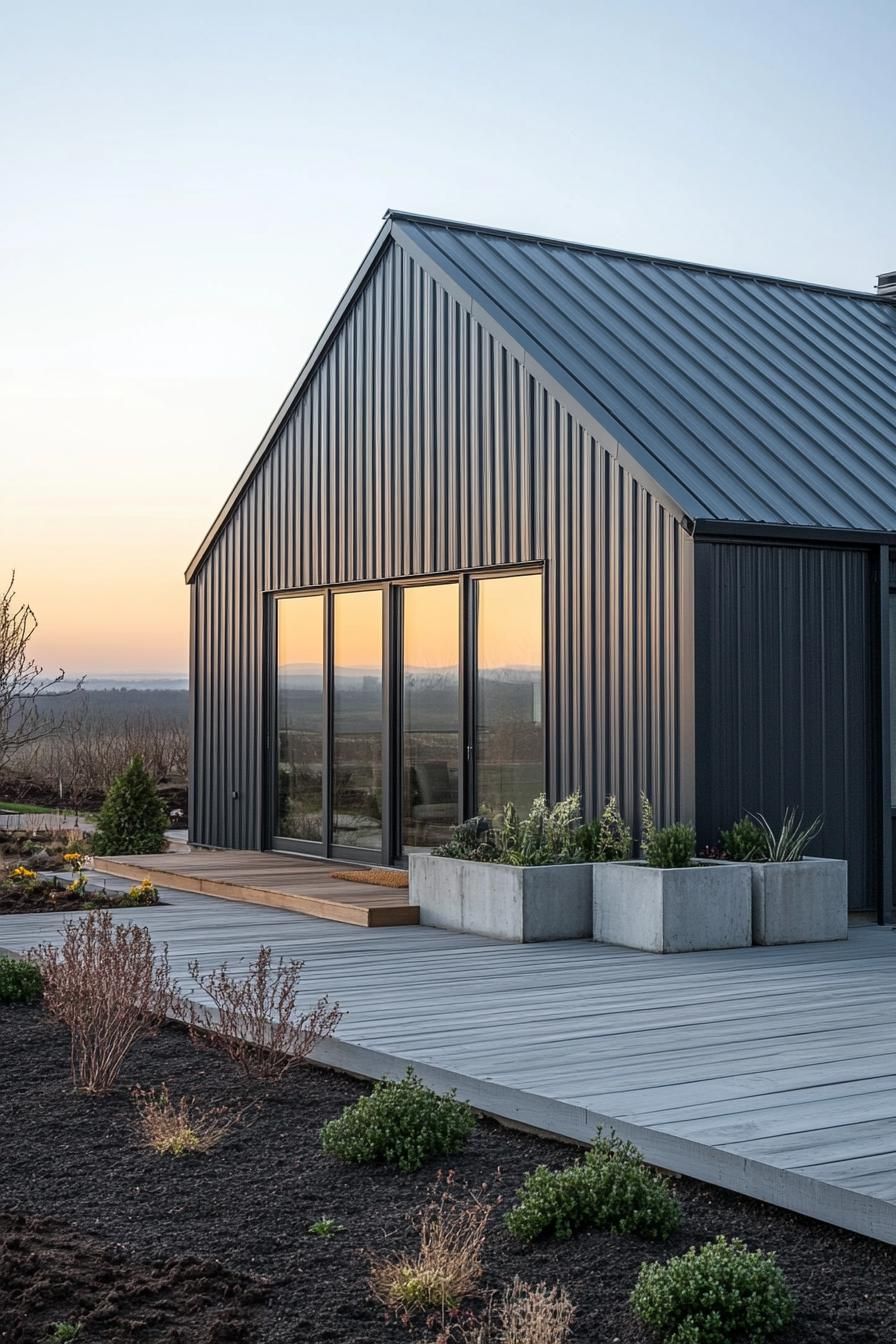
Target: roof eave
{"x":793,"y":534}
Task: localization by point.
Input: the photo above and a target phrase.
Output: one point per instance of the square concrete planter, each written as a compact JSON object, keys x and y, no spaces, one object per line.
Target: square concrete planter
{"x":521,"y":905}
{"x":706,"y":905}
{"x":804,"y":902}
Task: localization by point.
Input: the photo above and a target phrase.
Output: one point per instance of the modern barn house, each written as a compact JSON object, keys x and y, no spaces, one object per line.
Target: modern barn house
{"x":537,"y":515}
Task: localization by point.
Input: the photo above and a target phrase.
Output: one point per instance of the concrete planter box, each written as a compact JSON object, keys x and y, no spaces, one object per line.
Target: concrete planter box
{"x":706,"y":905}
{"x":804,"y":902}
{"x":520,"y":905}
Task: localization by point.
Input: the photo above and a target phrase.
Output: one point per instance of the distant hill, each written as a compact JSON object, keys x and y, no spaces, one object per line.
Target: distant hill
{"x":127,"y":681}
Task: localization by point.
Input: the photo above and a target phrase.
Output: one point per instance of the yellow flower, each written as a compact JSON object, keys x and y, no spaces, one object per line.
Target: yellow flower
{"x":25,"y":874}
{"x":73,"y":857}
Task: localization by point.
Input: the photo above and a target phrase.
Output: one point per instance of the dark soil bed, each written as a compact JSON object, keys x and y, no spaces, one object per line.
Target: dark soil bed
{"x":140,"y":1244}
{"x":16,"y":899}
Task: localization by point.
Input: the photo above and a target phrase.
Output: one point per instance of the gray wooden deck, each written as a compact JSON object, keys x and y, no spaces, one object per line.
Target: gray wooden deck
{"x":771,"y":1071}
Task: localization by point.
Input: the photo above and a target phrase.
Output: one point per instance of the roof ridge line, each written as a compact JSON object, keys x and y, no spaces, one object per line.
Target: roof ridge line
{"x":518,"y":235}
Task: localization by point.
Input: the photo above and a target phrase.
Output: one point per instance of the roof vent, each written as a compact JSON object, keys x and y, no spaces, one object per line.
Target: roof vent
{"x":886,"y":285}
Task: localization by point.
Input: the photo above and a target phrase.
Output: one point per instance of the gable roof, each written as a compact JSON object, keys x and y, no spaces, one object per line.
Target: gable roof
{"x":747,"y":398}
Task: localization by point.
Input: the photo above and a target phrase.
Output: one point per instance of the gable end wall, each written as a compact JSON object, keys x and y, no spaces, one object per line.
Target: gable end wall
{"x":422,"y":445}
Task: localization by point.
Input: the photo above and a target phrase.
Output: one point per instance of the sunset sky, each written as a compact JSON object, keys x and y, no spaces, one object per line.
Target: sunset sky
{"x":189,"y":186}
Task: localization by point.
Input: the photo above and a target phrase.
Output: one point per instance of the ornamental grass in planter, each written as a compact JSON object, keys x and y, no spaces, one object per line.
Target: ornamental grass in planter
{"x":668,"y":900}
{"x":520,"y":878}
{"x":796,"y":898}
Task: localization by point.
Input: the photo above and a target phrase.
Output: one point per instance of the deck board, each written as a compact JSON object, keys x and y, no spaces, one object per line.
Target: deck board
{"x":283,"y":881}
{"x":770,"y":1071}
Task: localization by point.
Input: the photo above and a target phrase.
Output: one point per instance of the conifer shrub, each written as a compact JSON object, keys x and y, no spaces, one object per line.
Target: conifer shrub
{"x":718,"y":1294}
{"x":133,"y":818}
{"x":404,"y":1123}
{"x":611,"y":1187}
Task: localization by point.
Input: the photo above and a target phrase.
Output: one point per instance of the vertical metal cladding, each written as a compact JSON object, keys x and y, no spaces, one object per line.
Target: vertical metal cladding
{"x":785,"y":643}
{"x":422,"y":445}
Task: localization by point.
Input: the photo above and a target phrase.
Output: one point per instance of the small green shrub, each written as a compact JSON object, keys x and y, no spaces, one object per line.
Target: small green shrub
{"x":404,"y":1123}
{"x":63,"y":1331}
{"x":611,"y":1187}
{"x":20,"y":981}
{"x":325,"y":1227}
{"x":743,"y":842}
{"x":132,"y":819}
{"x":721,"y":1293}
{"x":606,"y":840}
{"x":671,"y":847}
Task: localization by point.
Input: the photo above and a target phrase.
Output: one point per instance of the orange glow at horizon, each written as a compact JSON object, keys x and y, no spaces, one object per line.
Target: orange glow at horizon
{"x":510,"y":625}
{"x":431,"y":634}
{"x":358,"y":628}
{"x":510,"y":621}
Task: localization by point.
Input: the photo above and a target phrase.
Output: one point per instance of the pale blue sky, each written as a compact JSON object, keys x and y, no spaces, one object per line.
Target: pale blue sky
{"x":188,"y":188}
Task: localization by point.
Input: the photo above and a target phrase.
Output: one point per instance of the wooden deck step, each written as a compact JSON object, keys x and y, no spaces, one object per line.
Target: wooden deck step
{"x":283,"y":881}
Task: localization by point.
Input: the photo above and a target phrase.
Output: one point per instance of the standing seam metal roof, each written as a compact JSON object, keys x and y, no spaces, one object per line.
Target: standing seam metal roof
{"x":748,"y":398}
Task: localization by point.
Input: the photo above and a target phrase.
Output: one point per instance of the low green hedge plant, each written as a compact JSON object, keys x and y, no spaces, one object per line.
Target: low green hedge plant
{"x":671,"y":846}
{"x":611,"y":1187}
{"x":716,"y":1295}
{"x":20,"y":981}
{"x":404,"y":1123}
{"x":743,"y":842}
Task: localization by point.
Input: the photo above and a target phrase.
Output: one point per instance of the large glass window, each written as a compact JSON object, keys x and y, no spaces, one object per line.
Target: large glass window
{"x":430,"y":715}
{"x":300,"y":717}
{"x":357,"y":766}
{"x":467,"y":701}
{"x":509,"y":720}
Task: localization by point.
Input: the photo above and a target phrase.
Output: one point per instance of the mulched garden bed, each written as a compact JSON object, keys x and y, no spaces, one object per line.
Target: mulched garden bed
{"x":43,"y":897}
{"x":41,"y":851}
{"x":217,"y":1246}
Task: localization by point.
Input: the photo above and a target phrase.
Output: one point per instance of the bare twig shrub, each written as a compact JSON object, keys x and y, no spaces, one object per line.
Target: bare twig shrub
{"x":23,"y":685}
{"x":86,"y":739}
{"x":445,"y":1269}
{"x":521,"y":1315}
{"x":174,"y":1129}
{"x":538,"y":1315}
{"x":108,"y":984}
{"x":255,"y":1018}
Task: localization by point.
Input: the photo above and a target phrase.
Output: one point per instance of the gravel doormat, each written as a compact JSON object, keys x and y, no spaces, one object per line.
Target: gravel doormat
{"x":232,"y":1226}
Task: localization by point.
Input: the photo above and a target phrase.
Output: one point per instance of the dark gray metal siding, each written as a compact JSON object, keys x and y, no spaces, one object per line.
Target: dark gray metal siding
{"x":786,"y":643}
{"x":422,"y":445}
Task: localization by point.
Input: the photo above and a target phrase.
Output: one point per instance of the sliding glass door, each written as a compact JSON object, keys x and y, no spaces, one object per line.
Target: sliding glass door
{"x":509,"y":734}
{"x":300,"y":718}
{"x":399,"y":708}
{"x":431,"y":757}
{"x":357,"y":762}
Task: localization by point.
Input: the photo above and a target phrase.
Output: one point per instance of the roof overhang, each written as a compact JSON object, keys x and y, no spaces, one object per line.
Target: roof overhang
{"x":789,"y":534}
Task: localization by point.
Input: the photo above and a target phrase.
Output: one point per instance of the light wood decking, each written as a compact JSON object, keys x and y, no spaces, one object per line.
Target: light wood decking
{"x":285,"y":881}
{"x":769,"y":1071}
